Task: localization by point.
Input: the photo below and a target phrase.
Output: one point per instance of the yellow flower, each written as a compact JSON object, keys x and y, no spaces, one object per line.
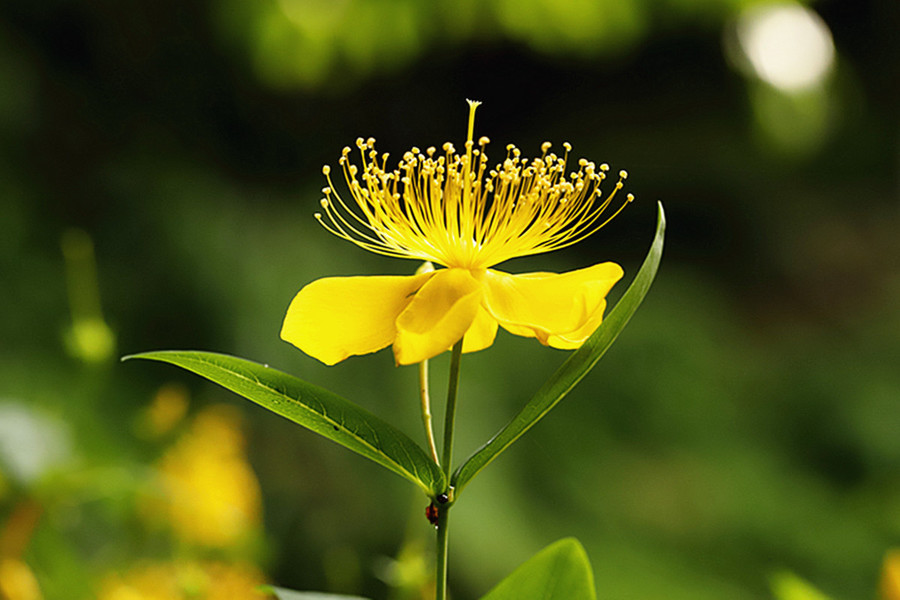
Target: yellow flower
{"x":211,"y":495}
{"x":165,"y":412}
{"x":17,"y":582}
{"x":453,"y":210}
{"x":185,"y":580}
{"x":890,"y":576}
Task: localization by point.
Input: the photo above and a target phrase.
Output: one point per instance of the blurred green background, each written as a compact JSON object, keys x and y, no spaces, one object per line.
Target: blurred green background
{"x":159,"y":166}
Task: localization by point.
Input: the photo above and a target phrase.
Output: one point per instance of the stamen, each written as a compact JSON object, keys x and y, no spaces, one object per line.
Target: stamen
{"x":456,"y":211}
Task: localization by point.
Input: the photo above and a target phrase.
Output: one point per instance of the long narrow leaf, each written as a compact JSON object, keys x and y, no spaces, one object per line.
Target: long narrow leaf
{"x":315,"y":408}
{"x":574,"y":369}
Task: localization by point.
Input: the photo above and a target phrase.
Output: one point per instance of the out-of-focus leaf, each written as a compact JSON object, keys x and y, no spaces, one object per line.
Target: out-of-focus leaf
{"x":787,"y":586}
{"x":574,"y":369}
{"x":315,"y":408}
{"x":561,"y":571}
{"x":283,"y":594}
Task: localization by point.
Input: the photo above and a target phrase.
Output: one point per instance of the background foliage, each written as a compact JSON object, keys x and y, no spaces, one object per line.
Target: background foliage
{"x":159,"y":167}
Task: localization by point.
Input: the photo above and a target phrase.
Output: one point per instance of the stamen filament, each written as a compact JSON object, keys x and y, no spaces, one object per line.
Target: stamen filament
{"x":456,"y":211}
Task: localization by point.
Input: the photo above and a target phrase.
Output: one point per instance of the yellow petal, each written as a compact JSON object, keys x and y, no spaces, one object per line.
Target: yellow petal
{"x":438,"y":316}
{"x":890,"y":576}
{"x":481,"y":333}
{"x":336,"y":317}
{"x":560,"y":310}
{"x":574,"y":339}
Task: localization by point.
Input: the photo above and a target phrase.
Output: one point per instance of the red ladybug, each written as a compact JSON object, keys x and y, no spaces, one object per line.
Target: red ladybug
{"x":431,"y":513}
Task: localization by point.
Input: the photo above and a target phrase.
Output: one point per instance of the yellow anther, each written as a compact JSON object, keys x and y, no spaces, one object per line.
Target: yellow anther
{"x":623,"y":174}
{"x":326,"y":170}
{"x":458,"y":211}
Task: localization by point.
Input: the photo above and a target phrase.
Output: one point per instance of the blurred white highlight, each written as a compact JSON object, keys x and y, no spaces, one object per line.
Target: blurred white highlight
{"x":789,"y":46}
{"x":30,"y":443}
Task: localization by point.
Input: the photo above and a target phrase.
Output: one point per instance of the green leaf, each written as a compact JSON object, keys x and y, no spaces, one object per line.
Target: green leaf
{"x":573,"y":370}
{"x":787,"y":586}
{"x":315,"y":408}
{"x":561,"y":571}
{"x":283,"y":594}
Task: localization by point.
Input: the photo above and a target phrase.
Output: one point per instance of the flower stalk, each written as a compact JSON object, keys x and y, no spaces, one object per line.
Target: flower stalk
{"x":444,"y":507}
{"x":440,"y":590}
{"x":450,"y":414}
{"x":425,"y":399}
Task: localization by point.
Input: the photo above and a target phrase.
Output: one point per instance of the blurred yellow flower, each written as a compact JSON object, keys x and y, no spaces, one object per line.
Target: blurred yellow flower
{"x":455,"y":211}
{"x":210,"y":494}
{"x":168,"y":408}
{"x":890,"y":576}
{"x":187,"y":580}
{"x":17,"y":582}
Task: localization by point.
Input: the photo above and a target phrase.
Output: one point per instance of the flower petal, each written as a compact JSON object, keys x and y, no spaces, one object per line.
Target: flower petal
{"x":438,"y":316}
{"x":561,"y":310}
{"x":336,"y":317}
{"x":481,"y":333}
{"x":574,"y":339}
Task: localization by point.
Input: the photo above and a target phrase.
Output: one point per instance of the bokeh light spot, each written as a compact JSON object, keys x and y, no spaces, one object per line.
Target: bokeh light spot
{"x":787,"y":45}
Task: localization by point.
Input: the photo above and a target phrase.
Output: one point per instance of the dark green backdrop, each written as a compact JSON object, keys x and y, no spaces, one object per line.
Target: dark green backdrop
{"x":746,"y":422}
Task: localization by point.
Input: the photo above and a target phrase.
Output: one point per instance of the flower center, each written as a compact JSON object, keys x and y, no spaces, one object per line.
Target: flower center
{"x":454,"y":210}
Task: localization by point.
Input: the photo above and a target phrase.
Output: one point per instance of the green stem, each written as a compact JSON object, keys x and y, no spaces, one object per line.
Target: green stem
{"x":426,"y":409}
{"x":444,"y":508}
{"x":450,"y":415}
{"x":440,"y":592}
